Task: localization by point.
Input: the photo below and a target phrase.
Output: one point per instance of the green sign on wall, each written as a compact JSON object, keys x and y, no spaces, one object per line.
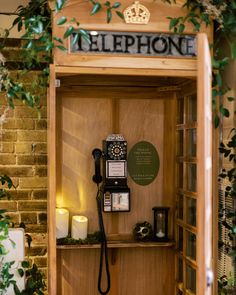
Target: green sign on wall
{"x":143,"y":163}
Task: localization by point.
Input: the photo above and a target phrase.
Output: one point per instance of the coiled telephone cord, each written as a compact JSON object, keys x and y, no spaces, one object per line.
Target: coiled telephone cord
{"x":103,"y":249}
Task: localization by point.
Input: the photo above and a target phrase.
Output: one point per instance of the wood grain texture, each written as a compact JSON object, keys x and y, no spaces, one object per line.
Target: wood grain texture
{"x":51,"y":97}
{"x":130,"y":272}
{"x":84,"y":119}
{"x":204,"y":172}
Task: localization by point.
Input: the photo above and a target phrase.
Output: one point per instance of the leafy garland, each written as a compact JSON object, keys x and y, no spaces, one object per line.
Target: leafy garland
{"x":36,"y":19}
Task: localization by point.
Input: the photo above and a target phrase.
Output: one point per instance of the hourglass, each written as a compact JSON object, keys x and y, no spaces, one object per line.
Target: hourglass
{"x":160,"y":223}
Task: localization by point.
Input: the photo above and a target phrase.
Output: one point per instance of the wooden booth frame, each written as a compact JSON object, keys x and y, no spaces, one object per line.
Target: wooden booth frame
{"x":68,"y":65}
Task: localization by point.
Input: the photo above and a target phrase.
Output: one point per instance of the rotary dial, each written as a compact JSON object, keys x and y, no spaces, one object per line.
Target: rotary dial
{"x":117,"y":150}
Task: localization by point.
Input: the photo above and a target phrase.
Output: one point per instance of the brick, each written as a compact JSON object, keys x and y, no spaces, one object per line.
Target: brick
{"x":40,"y":194}
{"x":41,"y":261}
{"x":3,"y":105}
{"x":8,"y":136}
{"x":23,"y":123}
{"x":41,"y":171}
{"x":15,"y":182}
{"x":10,"y":206}
{"x":14,"y":217}
{"x":36,"y":251}
{"x":42,"y":218}
{"x":32,"y":160}
{"x":39,"y":238}
{"x":23,"y":147}
{"x":44,"y":272}
{"x":32,"y":205}
{"x":7,"y":159}
{"x":28,"y":218}
{"x":21,"y":194}
{"x":14,"y":171}
{"x":27,"y":112}
{"x":36,"y":228}
{"x":40,"y":148}
{"x":33,"y":182}
{"x":32,"y":135}
{"x":6,"y":147}
{"x":41,"y":124}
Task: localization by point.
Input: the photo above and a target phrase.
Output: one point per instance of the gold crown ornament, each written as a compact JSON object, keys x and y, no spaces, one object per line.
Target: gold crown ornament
{"x":136,"y":14}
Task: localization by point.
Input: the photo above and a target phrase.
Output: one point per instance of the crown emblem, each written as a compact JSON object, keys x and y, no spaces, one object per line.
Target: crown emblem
{"x":136,"y":14}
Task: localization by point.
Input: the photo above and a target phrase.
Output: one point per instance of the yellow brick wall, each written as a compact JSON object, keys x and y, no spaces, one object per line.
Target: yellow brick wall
{"x":23,"y":157}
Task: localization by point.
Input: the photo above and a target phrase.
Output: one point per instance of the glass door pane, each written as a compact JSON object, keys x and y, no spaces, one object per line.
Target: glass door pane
{"x":191,"y":108}
{"x":191,"y":245}
{"x":191,"y":144}
{"x":191,"y":211}
{"x":191,"y":279}
{"x":191,"y":177}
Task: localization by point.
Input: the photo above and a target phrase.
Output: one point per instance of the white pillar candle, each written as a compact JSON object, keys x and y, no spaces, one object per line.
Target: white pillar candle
{"x":79,"y":228}
{"x":62,"y":223}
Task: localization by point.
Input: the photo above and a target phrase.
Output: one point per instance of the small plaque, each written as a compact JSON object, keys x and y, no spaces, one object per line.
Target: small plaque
{"x":143,"y":163}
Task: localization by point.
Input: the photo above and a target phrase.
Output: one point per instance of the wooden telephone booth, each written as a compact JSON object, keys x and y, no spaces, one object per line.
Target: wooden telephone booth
{"x":160,"y":95}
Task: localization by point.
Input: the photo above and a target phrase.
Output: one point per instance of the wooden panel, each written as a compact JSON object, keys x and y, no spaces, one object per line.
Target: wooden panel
{"x":204,"y":174}
{"x":121,"y":80}
{"x":187,"y":72}
{"x":78,"y":271}
{"x":130,"y":62}
{"x":52,"y":184}
{"x":137,"y":120}
{"x":169,"y":143}
{"x":85,"y":123}
{"x":85,"y":119}
{"x":158,"y":21}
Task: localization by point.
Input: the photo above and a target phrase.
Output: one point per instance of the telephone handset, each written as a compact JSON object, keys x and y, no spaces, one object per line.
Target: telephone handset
{"x":113,"y":195}
{"x":97,"y":177}
{"x":116,"y":194}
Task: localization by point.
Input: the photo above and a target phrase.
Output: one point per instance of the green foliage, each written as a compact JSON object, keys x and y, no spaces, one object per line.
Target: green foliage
{"x":94,"y":238}
{"x":109,"y":7}
{"x":6,"y":278}
{"x":5,"y":181}
{"x":35,"y":283}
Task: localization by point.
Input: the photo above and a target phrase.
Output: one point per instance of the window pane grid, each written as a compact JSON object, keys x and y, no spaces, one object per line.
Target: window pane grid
{"x":186,"y":194}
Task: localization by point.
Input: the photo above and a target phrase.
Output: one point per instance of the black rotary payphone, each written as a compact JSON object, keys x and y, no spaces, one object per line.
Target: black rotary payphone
{"x":116,"y":194}
{"x":113,"y":195}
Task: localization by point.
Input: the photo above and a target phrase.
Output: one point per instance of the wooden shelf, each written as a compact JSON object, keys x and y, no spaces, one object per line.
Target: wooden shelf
{"x":119,"y":244}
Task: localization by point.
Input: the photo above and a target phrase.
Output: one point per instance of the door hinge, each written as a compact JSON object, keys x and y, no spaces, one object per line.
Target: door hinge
{"x":57,"y":83}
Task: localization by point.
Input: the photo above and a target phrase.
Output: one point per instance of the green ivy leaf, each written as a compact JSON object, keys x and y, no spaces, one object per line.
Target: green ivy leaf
{"x":107,"y":4}
{"x":97,"y":6}
{"x":230,"y":98}
{"x":120,"y":14}
{"x":173,"y":22}
{"x":75,"y":38}
{"x":61,"y":21}
{"x":21,"y":272}
{"x":62,"y":48}
{"x":216,"y":121}
{"x":116,"y":5}
{"x":181,"y":28}
{"x":219,"y":80}
{"x":109,"y":15}
{"x":25,"y":264}
{"x":225,"y":112}
{"x":85,"y":35}
{"x":59,"y":5}
{"x":68,"y":32}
